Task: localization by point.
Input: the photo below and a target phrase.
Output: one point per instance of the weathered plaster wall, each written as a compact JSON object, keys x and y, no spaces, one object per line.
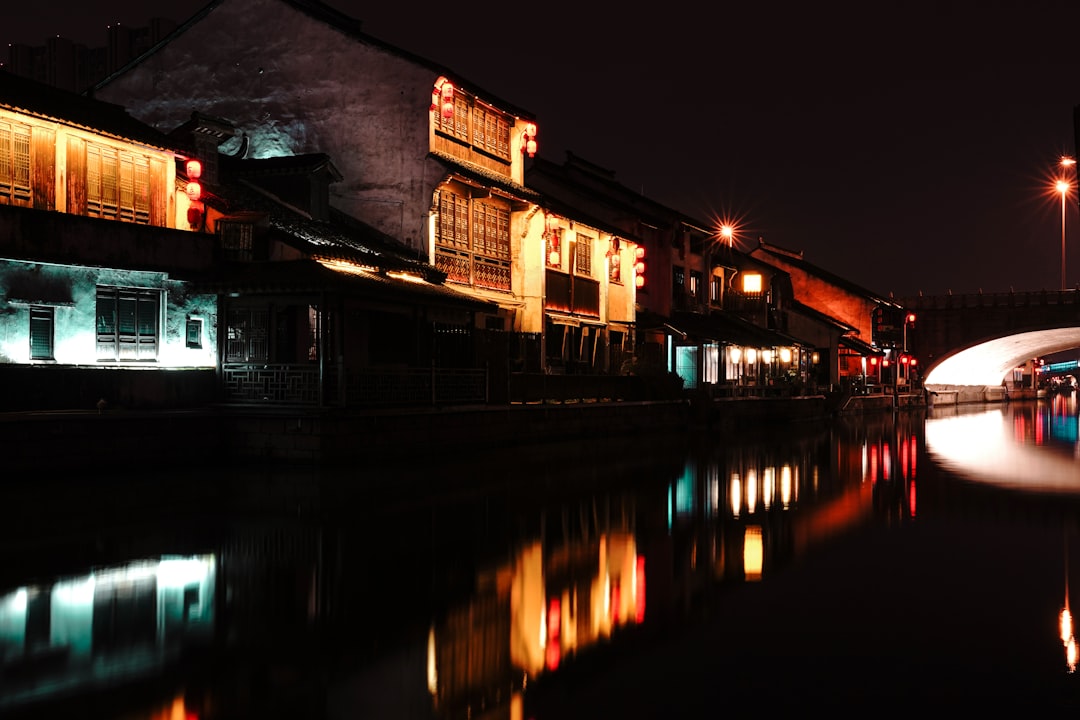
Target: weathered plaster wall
{"x":293,"y":84}
{"x":72,"y":292}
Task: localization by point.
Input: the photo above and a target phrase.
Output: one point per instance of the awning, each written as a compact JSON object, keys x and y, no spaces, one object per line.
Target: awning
{"x":860,"y":347}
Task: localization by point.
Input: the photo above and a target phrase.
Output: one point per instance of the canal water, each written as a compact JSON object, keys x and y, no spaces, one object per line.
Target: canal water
{"x":882,"y":562}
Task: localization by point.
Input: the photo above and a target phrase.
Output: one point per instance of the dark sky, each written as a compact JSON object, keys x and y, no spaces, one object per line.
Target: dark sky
{"x":904,"y":146}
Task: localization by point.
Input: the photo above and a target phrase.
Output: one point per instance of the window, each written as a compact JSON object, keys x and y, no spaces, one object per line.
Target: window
{"x":491,"y":131}
{"x":583,"y":255}
{"x":247,"y":337}
{"x":695,"y":282}
{"x":41,"y":333}
{"x":236,"y":240}
{"x":193,"y":332}
{"x":117,"y":185}
{"x":751,"y":283}
{"x":477,"y":124}
{"x":476,"y":253}
{"x":127,"y":323}
{"x":678,"y":278}
{"x":14,"y":163}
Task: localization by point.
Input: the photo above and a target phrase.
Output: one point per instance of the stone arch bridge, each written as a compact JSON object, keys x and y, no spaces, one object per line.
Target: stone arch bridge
{"x":980,"y":340}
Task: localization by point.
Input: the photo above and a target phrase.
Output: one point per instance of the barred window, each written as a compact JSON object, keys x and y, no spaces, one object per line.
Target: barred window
{"x":41,"y":333}
{"x":14,"y":163}
{"x":583,"y":255}
{"x":236,"y":240}
{"x":128,"y":321}
{"x":117,"y":185}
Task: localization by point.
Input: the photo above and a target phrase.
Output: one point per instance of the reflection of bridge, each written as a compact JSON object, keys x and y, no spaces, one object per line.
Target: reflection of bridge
{"x":980,"y":339}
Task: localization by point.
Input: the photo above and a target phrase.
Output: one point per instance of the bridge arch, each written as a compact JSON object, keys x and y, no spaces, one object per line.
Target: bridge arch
{"x":990,"y":362}
{"x":978,"y":339}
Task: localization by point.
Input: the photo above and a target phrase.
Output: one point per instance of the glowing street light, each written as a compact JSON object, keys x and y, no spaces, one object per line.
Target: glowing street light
{"x":1063,"y":186}
{"x":727,"y":233}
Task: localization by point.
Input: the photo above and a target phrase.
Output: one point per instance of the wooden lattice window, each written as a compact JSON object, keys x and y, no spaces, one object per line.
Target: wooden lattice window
{"x":128,"y":322}
{"x":583,"y":255}
{"x":453,"y":229}
{"x":14,"y":163}
{"x":492,"y":231}
{"x":117,"y":184}
{"x":491,"y":131}
{"x":476,"y":252}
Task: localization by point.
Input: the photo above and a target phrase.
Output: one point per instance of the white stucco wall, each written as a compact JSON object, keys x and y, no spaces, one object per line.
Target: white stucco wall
{"x":294,"y":84}
{"x":74,"y":324}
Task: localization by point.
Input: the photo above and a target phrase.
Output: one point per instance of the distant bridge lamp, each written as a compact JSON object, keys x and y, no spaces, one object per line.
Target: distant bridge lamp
{"x":1063,"y":186}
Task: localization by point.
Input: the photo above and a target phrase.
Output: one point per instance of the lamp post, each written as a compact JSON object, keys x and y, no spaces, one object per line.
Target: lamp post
{"x":1064,"y":186}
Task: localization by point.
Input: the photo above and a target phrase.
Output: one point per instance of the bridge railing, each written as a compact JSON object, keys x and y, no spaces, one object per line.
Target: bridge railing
{"x":1034,"y":298}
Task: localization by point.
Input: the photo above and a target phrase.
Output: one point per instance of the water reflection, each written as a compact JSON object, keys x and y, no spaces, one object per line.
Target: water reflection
{"x":1030,"y":446}
{"x":350,"y":594}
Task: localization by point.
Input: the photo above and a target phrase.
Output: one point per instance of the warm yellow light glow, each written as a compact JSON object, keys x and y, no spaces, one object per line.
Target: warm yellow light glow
{"x":432,"y":672}
{"x":735,"y":353}
{"x":405,"y":276}
{"x":347,"y":267}
{"x":1062,"y":186}
{"x":785,"y":485}
{"x":753,"y":553}
{"x":785,"y":355}
{"x":751,"y":355}
{"x":1066,"y":625}
{"x":736,"y":495}
{"x":767,"y":356}
{"x":751,"y":283}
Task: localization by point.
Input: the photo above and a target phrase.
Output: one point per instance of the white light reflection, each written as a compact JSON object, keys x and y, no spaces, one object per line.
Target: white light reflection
{"x":982,"y":447}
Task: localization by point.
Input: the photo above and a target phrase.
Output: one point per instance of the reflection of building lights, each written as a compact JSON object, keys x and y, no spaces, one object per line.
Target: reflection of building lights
{"x":785,"y":486}
{"x":751,"y":491}
{"x":736,"y":495}
{"x":753,"y":553}
{"x":432,"y":672}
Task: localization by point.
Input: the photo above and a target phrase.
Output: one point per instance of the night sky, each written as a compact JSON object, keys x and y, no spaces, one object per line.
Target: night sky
{"x":906,"y":147}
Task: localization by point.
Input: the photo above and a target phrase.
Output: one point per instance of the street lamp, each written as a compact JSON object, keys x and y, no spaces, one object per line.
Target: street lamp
{"x":1064,"y":186}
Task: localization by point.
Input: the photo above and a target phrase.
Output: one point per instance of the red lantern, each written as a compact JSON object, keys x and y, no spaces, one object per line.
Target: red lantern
{"x":447,"y":92}
{"x":193,"y":190}
{"x":194,"y":169}
{"x":639,"y":267}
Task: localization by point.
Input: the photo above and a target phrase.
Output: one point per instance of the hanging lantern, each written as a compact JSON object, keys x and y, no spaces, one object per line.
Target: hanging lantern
{"x":553,"y":258}
{"x":447,"y":92}
{"x":194,"y":169}
{"x":193,"y":190}
{"x":528,"y":140}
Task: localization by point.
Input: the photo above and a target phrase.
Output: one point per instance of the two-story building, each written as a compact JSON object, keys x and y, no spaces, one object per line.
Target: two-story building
{"x":96,"y":259}
{"x":425,"y":156}
{"x":704,"y":310}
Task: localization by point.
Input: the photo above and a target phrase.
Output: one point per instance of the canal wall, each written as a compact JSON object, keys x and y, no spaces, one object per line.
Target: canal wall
{"x":140,"y":443}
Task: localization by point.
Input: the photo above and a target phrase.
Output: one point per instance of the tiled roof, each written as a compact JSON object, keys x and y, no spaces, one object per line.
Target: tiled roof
{"x":350,"y":27}
{"x":45,"y":101}
{"x":311,"y":276}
